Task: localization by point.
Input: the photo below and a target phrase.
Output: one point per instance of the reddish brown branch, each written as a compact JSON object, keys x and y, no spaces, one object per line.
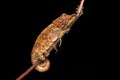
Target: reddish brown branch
{"x":28,"y":71}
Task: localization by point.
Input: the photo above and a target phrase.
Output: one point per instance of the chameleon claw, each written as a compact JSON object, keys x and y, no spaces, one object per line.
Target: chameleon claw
{"x":60,"y":42}
{"x":55,"y":48}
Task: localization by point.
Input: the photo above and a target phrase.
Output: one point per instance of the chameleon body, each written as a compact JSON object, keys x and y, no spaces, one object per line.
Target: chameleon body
{"x":49,"y":38}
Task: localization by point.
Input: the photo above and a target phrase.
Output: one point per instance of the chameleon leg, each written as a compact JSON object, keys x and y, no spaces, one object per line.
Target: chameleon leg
{"x":60,"y":42}
{"x":55,"y":48}
{"x":42,"y":58}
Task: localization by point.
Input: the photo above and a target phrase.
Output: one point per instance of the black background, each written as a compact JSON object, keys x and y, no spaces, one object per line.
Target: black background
{"x":23,"y":23}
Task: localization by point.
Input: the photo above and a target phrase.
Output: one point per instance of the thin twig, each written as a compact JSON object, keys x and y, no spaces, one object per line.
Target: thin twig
{"x":80,"y":7}
{"x":28,"y":70}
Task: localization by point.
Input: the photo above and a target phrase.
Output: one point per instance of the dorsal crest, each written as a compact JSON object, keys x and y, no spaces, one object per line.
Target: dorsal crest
{"x":62,"y":20}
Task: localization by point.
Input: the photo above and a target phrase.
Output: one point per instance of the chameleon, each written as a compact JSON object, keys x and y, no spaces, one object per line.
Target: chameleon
{"x":51,"y":36}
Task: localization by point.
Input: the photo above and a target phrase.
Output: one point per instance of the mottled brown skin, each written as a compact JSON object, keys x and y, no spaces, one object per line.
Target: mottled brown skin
{"x":48,"y":39}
